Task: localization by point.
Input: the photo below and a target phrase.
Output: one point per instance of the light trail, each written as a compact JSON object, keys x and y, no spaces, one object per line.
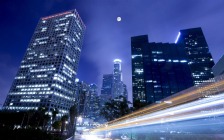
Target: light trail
{"x":188,"y":111}
{"x":186,"y":105}
{"x":188,"y":95}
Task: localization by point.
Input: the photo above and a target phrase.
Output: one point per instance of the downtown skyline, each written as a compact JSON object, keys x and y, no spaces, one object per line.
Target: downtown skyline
{"x":106,"y":38}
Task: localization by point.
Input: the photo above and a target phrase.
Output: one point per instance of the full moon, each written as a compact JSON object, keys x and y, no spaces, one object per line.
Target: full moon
{"x":118,"y":19}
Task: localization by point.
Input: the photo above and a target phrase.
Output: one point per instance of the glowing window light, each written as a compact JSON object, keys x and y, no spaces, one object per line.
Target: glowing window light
{"x":183,"y":61}
{"x":30,"y":100}
{"x":133,"y":56}
{"x":175,"y":61}
{"x":139,"y":71}
{"x":161,"y":60}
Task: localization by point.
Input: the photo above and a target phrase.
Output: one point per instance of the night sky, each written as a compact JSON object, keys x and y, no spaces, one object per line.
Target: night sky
{"x":106,"y":39}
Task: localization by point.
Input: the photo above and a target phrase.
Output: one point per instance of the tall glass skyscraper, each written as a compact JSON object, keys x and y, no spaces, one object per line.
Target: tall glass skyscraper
{"x":118,"y":85}
{"x":113,"y":85}
{"x":106,"y":90}
{"x":82,"y":90}
{"x":46,"y":76}
{"x":200,"y":58}
{"x":117,"y":70}
{"x":158,"y":70}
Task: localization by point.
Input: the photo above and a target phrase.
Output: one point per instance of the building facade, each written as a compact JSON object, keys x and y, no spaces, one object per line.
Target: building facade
{"x":199,"y":56}
{"x":113,"y":86}
{"x":107,"y":86}
{"x":95,"y":104}
{"x":48,"y":70}
{"x":119,"y":88}
{"x":158,"y":70}
{"x":82,"y":97}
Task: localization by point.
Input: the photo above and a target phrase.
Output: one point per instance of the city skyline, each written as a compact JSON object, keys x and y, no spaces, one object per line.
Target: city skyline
{"x":106,"y":38}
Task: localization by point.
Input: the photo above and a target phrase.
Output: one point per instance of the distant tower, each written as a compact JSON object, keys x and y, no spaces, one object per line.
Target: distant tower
{"x":94,"y":103}
{"x":200,"y":58}
{"x":48,"y":70}
{"x":117,"y":70}
{"x":117,"y":89}
{"x":82,"y":92}
{"x":106,"y":91}
{"x":113,"y":85}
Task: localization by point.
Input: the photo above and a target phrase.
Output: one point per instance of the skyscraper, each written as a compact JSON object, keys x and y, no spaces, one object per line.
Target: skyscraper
{"x":200,"y":58}
{"x":106,"y":90}
{"x":117,"y":70}
{"x":118,"y":85}
{"x":46,"y":76}
{"x":82,"y":97}
{"x":94,"y":107}
{"x":158,"y":70}
{"x":113,"y":85}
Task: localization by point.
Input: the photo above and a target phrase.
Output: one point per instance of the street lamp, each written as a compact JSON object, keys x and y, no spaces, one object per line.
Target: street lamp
{"x":66,"y":123}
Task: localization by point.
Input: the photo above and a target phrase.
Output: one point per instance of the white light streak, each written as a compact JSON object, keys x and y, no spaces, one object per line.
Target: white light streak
{"x":194,"y":110}
{"x":177,"y":38}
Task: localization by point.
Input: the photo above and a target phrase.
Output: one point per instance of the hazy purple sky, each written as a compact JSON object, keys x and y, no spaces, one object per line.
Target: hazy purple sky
{"x":107,"y":39}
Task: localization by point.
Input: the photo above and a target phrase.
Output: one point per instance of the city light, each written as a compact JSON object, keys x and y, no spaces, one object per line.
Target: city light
{"x":178,"y":36}
{"x":117,"y":61}
{"x":180,"y":107}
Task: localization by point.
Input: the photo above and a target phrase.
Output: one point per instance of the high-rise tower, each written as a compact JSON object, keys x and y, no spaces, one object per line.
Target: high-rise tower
{"x":200,"y":58}
{"x":47,"y":73}
{"x":117,"y":70}
{"x":106,"y":90}
{"x":158,"y":70}
{"x":117,"y":80}
{"x":113,"y":85}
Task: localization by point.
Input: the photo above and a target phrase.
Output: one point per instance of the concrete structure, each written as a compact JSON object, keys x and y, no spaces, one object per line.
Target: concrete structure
{"x":48,"y":70}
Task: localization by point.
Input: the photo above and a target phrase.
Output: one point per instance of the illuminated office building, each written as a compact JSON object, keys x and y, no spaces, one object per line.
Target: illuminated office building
{"x":117,"y":70}
{"x":158,"y":70}
{"x":119,"y":88}
{"x":94,"y":103}
{"x":106,"y":90}
{"x":48,"y":70}
{"x":113,"y":86}
{"x":199,"y":56}
{"x":82,"y":96}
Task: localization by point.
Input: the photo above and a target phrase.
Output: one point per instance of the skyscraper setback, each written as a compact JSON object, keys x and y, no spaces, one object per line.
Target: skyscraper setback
{"x":200,"y":58}
{"x":158,"y":70}
{"x":162,"y":69}
{"x":48,"y":70}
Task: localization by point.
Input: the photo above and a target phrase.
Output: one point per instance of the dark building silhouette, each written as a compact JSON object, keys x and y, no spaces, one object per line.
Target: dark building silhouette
{"x":106,"y":90}
{"x":199,"y":56}
{"x":82,"y":97}
{"x":158,"y":69}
